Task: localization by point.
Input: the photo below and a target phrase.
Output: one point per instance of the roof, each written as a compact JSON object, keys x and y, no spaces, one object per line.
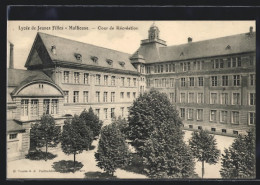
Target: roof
{"x":239,"y":43}
{"x":13,"y":125}
{"x":18,"y":77}
{"x":66,"y":50}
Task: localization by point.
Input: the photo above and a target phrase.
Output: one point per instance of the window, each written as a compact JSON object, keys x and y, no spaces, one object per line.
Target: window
{"x":234,"y":62}
{"x":76,"y":77}
{"x":182,"y":113}
{"x":188,"y":66}
{"x":200,"y":81}
{"x":236,"y":80}
{"x":235,"y":132}
{"x":214,"y":81}
{"x":112,"y":112}
{"x":54,"y":106}
{"x":223,"y":116}
{"x":251,"y":120}
{"x":97,"y":96}
{"x":66,"y":76}
{"x":213,"y":129}
{"x":34,"y":107}
{"x":46,"y":106}
{"x":200,"y":98}
{"x":66,"y":96}
{"x":128,"y":94}
{"x":190,"y":113}
{"x":122,"y":95}
{"x":13,"y":136}
{"x":235,"y":117}
{"x":252,"y":99}
{"x":229,"y":62}
{"x":224,"y":80}
{"x":171,"y":82}
{"x":112,"y":96}
{"x":97,"y":112}
{"x":190,"y":126}
{"x":182,"y":98}
{"x":105,"y":97}
{"x":213,"y":98}
{"x":86,"y":76}
{"x":236,"y":99}
{"x":134,"y":94}
{"x":164,"y":82}
{"x":105,"y":80}
{"x":238,"y":61}
{"x":148,"y":69}
{"x":191,"y":98}
{"x":221,"y":63}
{"x":251,"y":60}
{"x":172,"y":68}
{"x":134,"y":80}
{"x":142,"y":68}
{"x":213,"y":115}
{"x":199,"y":114}
{"x":200,"y":127}
{"x":128,"y":82}
{"x":122,"y":111}
{"x":252,"y":79}
{"x":172,"y":98}
{"x":191,"y":81}
{"x":113,"y":80}
{"x":122,"y":81}
{"x":182,"y":82}
{"x":224,"y":98}
{"x":105,"y":113}
{"x":75,"y":96}
{"x":98,"y":79}
{"x":85,"y":96}
{"x":223,"y":130}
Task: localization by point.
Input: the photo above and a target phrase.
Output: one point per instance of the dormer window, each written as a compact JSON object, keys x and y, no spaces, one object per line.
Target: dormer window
{"x":228,"y":47}
{"x":53,"y":49}
{"x":78,"y":56}
{"x":122,"y":63}
{"x":94,"y":58}
{"x":182,"y":54}
{"x":109,"y":61}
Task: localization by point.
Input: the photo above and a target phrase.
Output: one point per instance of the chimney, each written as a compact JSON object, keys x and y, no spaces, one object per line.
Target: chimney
{"x":251,"y":30}
{"x":11,"y":59}
{"x":189,"y":39}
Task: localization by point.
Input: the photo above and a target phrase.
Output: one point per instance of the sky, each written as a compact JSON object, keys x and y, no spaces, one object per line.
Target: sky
{"x":100,"y":33}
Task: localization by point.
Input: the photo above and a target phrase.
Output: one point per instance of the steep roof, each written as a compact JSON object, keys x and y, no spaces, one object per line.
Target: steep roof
{"x":13,"y":125}
{"x":66,"y":50}
{"x":239,"y":43}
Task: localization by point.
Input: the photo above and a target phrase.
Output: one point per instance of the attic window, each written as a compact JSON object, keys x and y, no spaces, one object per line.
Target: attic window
{"x":94,"y":58}
{"x":182,"y":54}
{"x":78,"y":56}
{"x":109,"y":61}
{"x":53,"y":49}
{"x":122,"y":63}
{"x":228,"y":47}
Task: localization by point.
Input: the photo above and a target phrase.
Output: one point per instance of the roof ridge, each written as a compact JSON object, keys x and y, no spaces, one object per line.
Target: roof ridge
{"x":207,"y":40}
{"x":82,"y":42}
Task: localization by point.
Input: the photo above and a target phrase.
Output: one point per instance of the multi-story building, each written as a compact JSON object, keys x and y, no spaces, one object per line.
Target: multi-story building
{"x":211,"y":83}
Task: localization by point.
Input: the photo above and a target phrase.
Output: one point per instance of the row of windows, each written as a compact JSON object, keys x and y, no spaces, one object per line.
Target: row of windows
{"x":197,"y":114}
{"x":98,"y":96}
{"x":218,"y":63}
{"x":222,"y":98}
{"x":106,"y":80}
{"x":112,"y":112}
{"x":50,"y":106}
{"x":214,"y":129}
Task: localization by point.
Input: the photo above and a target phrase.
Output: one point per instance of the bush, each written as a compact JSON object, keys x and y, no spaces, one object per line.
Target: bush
{"x":112,"y":152}
{"x":67,"y":166}
{"x":39,"y":155}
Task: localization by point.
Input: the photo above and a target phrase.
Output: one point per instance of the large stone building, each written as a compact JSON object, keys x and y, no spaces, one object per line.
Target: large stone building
{"x":211,"y":83}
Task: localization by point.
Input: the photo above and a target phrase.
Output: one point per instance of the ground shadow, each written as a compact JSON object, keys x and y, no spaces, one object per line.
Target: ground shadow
{"x":66,"y":166}
{"x":99,"y":175}
{"x":92,"y":147}
{"x":39,"y":155}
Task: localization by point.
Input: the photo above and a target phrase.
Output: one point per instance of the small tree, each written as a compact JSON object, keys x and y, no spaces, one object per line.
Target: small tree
{"x":45,"y":133}
{"x":76,"y":137}
{"x":204,"y":148}
{"x":92,"y":121}
{"x":238,"y":161}
{"x":122,"y":125}
{"x":112,"y":150}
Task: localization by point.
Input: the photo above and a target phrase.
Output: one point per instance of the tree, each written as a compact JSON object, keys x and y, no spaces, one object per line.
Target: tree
{"x":238,"y":161}
{"x":76,"y":137}
{"x":155,"y":130}
{"x":45,"y":133}
{"x":204,"y":148}
{"x":122,"y":125}
{"x":112,"y":152}
{"x":92,"y":121}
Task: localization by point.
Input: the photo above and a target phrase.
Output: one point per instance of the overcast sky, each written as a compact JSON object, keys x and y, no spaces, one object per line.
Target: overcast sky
{"x":173,"y":32}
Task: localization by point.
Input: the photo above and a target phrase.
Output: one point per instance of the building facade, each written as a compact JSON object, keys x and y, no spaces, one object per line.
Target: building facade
{"x":211,"y":83}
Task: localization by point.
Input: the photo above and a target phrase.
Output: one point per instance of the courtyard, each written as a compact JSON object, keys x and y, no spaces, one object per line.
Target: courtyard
{"x":31,"y":169}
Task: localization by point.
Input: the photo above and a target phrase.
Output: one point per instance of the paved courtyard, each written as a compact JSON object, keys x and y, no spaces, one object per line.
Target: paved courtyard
{"x":26,"y":168}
